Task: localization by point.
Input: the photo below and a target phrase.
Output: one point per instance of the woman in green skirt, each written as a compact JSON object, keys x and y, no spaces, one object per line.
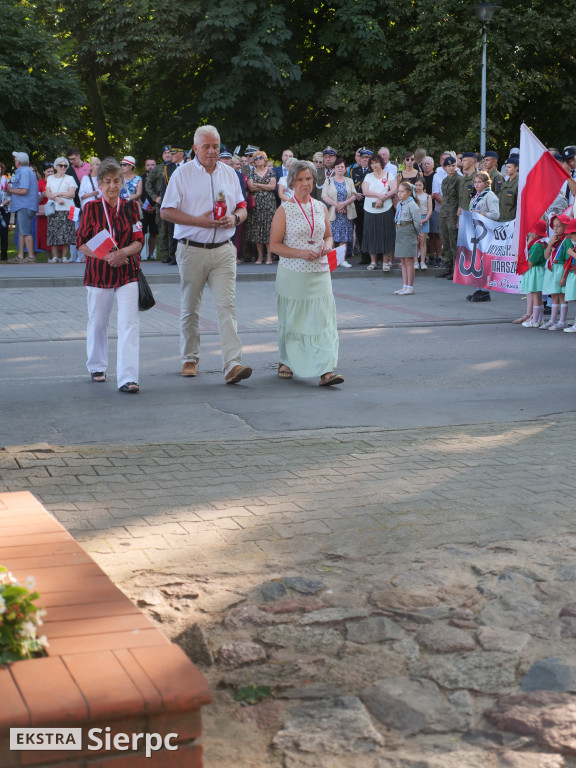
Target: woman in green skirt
{"x":300,"y":236}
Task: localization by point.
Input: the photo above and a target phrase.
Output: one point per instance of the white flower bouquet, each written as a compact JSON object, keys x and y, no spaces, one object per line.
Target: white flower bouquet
{"x":19,"y":619}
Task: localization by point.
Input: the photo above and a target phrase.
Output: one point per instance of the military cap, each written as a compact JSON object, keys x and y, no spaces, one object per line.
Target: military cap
{"x":330,"y":151}
{"x":448,"y":161}
{"x":365,"y":152}
{"x":490,"y":153}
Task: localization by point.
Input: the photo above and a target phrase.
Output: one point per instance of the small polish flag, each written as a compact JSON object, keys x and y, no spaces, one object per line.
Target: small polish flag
{"x":540,"y":180}
{"x":101,"y":244}
{"x":74,"y":213}
{"x":336,"y":257}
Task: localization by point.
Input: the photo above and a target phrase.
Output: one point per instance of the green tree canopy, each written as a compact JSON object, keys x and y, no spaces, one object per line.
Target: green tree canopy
{"x":40,"y":96}
{"x":133,"y":75}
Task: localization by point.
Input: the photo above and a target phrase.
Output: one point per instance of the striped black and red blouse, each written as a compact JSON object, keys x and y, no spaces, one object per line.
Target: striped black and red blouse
{"x":124,"y":220}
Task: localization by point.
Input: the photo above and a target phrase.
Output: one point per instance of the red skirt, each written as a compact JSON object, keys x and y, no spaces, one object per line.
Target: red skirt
{"x":42,"y":233}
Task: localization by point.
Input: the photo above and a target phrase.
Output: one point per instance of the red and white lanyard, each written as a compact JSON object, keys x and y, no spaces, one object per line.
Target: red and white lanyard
{"x":310,"y":224}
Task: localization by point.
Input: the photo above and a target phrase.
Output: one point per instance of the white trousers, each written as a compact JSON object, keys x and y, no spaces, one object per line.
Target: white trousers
{"x":217,"y":268}
{"x":100,"y":302}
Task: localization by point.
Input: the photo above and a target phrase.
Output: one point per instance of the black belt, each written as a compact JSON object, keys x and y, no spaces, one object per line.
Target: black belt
{"x":194,"y":244}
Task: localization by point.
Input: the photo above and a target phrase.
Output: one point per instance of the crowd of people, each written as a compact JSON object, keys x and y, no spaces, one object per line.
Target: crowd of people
{"x":210,"y":209}
{"x":361,"y":197}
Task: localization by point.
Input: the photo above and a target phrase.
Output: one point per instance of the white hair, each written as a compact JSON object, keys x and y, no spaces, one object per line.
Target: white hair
{"x":205,"y":130}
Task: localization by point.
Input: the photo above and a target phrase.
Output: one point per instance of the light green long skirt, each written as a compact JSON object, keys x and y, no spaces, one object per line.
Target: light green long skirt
{"x":307,"y":330}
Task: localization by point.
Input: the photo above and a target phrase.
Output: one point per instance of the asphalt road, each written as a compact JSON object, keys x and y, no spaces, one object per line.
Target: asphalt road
{"x":428,"y":360}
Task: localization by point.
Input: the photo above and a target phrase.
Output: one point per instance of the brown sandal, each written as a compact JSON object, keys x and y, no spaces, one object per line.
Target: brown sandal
{"x":284,"y":371}
{"x":328,"y":379}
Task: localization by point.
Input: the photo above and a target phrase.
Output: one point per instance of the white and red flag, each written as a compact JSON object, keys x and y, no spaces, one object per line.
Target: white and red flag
{"x":540,"y":179}
{"x":73,"y":213}
{"x":336,"y":257}
{"x":101,"y":244}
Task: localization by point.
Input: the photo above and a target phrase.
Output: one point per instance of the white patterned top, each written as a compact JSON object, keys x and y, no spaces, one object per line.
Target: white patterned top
{"x":298,"y":233}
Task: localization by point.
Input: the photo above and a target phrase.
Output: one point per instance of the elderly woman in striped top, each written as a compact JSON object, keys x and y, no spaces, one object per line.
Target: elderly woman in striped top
{"x":115,"y":274}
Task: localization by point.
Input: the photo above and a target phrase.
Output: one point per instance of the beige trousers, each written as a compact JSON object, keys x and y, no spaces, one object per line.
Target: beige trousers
{"x":217,"y":268}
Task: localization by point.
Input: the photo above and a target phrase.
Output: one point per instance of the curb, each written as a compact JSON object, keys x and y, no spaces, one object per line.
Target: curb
{"x":75,"y":281}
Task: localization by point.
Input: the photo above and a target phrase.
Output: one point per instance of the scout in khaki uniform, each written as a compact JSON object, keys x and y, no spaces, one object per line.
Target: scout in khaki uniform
{"x":509,"y":191}
{"x":467,"y":190}
{"x":490,"y":166}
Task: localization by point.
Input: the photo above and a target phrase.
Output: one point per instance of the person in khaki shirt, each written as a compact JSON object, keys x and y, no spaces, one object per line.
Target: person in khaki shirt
{"x":449,"y":215}
{"x":509,"y":190}
{"x":490,"y":166}
{"x":467,"y":191}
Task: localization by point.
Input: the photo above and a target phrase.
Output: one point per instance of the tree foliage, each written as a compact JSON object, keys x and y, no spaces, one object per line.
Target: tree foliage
{"x":136,"y":74}
{"x":40,"y":96}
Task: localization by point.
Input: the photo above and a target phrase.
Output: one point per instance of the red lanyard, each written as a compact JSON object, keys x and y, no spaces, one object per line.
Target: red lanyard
{"x":110,"y":227}
{"x":311,"y":225}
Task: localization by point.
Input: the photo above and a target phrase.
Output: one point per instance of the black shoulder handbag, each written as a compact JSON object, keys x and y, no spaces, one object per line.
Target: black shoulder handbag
{"x":145,"y":296}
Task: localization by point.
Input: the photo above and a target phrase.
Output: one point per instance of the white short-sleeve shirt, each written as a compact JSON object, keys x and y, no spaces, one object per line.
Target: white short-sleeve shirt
{"x":193,"y":190}
{"x":59,"y":186}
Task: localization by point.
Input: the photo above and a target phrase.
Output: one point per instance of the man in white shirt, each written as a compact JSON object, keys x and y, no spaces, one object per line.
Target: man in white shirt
{"x":205,"y":253}
{"x":389,"y":167}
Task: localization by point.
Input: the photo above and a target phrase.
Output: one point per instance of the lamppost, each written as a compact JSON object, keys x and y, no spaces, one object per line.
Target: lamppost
{"x":484,"y":12}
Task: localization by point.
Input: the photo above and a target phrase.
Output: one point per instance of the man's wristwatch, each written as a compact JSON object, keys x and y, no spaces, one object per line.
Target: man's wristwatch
{"x":237,"y":219}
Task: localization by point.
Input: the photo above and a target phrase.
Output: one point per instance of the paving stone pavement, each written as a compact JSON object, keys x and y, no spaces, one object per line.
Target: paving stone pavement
{"x":59,"y":313}
{"x":467,"y":528}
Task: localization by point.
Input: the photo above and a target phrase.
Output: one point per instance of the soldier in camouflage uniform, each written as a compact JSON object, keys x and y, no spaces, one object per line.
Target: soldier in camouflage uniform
{"x":467,"y":190}
{"x":490,"y":166}
{"x":156,"y":187}
{"x":451,"y":186}
{"x":509,"y":191}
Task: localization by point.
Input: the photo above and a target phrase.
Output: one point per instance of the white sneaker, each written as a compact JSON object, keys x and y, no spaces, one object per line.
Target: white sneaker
{"x":346,"y":264}
{"x":416,"y":264}
{"x":423,"y":265}
{"x":408,"y":291}
{"x":385,"y":267}
{"x":572,"y":329}
{"x":399,"y":292}
{"x":52,"y":261}
{"x":557,"y":326}
{"x":545,"y":326}
{"x":65,"y":260}
{"x":530,"y":324}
